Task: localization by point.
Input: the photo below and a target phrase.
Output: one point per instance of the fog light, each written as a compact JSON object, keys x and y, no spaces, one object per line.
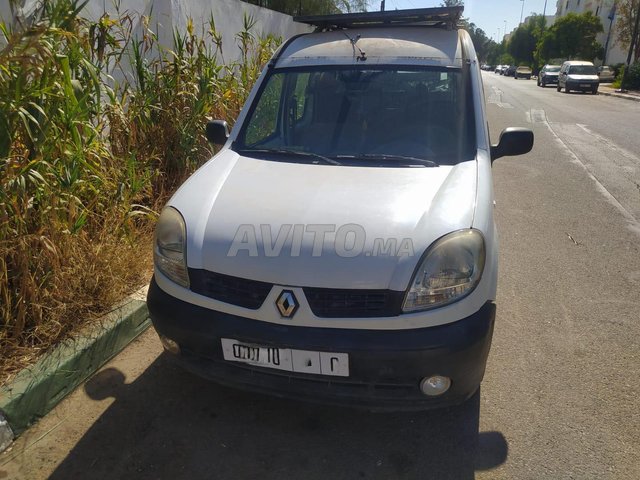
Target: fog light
{"x":169,"y":345}
{"x":435,"y":385}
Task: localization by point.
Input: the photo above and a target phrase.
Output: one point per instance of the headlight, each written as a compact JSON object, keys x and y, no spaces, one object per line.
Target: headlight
{"x":170,"y":250}
{"x":451,"y":269}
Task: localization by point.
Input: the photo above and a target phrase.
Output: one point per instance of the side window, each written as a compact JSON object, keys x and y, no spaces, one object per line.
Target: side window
{"x":264,"y":121}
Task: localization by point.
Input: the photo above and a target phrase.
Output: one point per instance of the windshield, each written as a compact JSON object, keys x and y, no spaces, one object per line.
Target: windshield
{"x":361,"y":116}
{"x":582,"y":70}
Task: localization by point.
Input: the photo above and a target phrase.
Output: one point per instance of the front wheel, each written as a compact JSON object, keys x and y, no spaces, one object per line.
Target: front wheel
{"x":566,"y":88}
{"x":594,"y":90}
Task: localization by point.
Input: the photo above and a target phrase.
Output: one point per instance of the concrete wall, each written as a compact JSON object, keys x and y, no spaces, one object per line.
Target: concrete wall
{"x":165,"y":15}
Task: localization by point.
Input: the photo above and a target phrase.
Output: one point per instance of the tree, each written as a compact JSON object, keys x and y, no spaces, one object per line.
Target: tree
{"x":452,"y":3}
{"x":627,"y":11}
{"x":572,"y":36}
{"x":480,"y":40}
{"x":523,"y":42}
{"x":494,"y":52}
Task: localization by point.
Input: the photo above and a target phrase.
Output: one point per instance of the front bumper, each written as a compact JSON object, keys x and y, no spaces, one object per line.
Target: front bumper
{"x":385,"y":366}
{"x":583,"y":86}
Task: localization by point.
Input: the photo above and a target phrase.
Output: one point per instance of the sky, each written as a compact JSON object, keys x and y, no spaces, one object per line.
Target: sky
{"x":489,"y":15}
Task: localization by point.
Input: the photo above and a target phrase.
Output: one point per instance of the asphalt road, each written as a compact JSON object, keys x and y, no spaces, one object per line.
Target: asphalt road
{"x":560,"y":397}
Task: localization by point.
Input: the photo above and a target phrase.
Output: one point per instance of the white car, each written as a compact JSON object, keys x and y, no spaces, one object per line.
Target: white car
{"x":341,"y":246}
{"x":578,"y":75}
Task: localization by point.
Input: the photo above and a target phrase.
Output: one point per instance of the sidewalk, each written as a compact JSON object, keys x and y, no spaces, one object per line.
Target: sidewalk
{"x":611,"y":92}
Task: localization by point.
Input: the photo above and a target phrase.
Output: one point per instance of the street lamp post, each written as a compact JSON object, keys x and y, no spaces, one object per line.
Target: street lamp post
{"x":611,"y":17}
{"x":521,"y":11}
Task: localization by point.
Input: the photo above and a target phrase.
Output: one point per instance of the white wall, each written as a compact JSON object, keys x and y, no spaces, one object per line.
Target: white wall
{"x":165,"y":15}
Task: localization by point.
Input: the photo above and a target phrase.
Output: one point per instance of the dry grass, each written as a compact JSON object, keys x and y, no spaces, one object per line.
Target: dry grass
{"x":86,"y":163}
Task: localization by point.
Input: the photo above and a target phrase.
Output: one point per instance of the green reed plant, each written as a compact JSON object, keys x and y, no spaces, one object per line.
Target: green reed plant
{"x":86,"y":161}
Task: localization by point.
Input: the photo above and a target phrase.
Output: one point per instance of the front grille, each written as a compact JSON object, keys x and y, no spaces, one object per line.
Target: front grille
{"x":237,"y":291}
{"x":324,"y":302}
{"x":334,"y":303}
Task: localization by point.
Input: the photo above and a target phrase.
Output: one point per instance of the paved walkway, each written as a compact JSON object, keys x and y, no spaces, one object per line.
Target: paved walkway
{"x":629,"y":95}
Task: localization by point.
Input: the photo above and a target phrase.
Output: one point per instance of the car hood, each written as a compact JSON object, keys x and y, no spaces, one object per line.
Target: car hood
{"x":551,"y":74}
{"x":590,"y":78}
{"x":264,"y":220}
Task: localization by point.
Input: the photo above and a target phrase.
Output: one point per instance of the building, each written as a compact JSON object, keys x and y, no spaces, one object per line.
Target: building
{"x":604,"y":9}
{"x":549,"y":18}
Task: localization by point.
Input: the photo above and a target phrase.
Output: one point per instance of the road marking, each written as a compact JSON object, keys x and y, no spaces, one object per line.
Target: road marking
{"x":496,"y":98}
{"x":610,"y":145}
{"x":537,"y":116}
{"x":634,"y":225}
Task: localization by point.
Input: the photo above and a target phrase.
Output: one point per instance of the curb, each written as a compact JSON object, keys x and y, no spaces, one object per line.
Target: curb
{"x":40,"y":387}
{"x":633,"y":98}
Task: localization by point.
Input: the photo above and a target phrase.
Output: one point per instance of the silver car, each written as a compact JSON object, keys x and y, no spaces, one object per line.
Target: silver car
{"x":548,"y":74}
{"x":606,"y":74}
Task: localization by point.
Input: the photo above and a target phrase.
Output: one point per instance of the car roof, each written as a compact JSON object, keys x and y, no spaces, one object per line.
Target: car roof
{"x":577,"y":62}
{"x":412,"y":45}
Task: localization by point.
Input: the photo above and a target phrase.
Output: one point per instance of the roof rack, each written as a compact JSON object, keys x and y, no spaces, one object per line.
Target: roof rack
{"x":438,"y":17}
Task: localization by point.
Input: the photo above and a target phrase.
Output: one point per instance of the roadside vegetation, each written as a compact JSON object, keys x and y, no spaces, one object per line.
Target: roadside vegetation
{"x":98,"y":126}
{"x":571,"y":37}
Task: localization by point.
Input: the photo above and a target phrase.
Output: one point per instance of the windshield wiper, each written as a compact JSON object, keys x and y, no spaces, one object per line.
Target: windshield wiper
{"x":296,"y":153}
{"x":385,"y":156}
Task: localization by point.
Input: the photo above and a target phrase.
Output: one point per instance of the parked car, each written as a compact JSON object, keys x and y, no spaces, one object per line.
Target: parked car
{"x":606,"y":74}
{"x":522,"y":72}
{"x":578,"y":75}
{"x":548,"y":74}
{"x":341,"y":245}
{"x":498,"y":69}
{"x":510,"y":71}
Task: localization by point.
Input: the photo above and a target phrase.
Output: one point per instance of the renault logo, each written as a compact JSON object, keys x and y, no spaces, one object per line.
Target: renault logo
{"x":287,"y":304}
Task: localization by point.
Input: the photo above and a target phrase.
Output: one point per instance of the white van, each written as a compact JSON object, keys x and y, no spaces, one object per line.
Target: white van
{"x":578,"y":75}
{"x":341,"y":246}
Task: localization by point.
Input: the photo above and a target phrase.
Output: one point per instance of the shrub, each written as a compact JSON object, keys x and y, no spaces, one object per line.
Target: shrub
{"x":86,"y":162}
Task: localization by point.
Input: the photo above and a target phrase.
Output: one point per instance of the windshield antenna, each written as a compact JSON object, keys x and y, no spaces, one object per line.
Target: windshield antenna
{"x":353,"y":41}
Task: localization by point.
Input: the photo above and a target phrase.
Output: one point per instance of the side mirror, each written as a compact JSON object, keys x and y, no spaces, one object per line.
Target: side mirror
{"x":513,"y":141}
{"x":217,"y":132}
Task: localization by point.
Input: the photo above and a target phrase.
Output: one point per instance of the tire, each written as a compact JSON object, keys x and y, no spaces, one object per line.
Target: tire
{"x":538,"y":82}
{"x":566,"y":88}
{"x":543,"y":84}
{"x":594,"y":91}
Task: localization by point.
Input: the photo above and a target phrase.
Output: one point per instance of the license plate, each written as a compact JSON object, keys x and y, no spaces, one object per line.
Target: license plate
{"x":584,"y":85}
{"x":288,"y":359}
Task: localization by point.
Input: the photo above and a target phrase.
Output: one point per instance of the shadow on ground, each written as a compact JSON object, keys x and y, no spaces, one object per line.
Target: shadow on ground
{"x":170,"y":424}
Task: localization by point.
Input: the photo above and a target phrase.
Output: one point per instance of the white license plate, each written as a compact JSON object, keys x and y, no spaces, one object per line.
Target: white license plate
{"x":289,"y":359}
